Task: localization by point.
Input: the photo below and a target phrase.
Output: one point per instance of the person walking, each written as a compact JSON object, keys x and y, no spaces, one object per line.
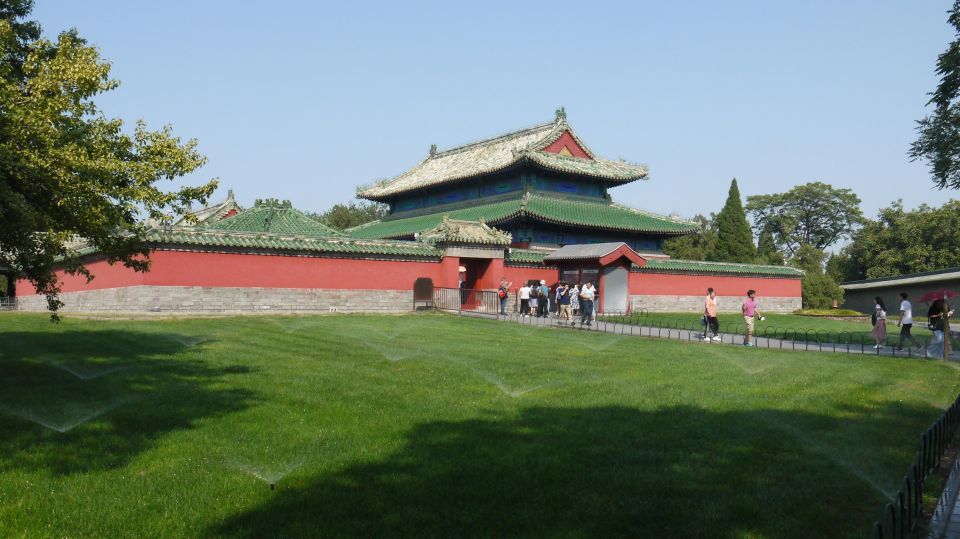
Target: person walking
{"x":586,"y":303}
{"x":524,"y":295}
{"x":534,"y":300}
{"x":575,"y":300}
{"x":935,"y":315}
{"x":879,"y":332}
{"x":503,"y":293}
{"x":750,"y":313}
{"x":543,"y":299}
{"x":905,"y":323}
{"x":563,"y":300}
{"x":710,"y":305}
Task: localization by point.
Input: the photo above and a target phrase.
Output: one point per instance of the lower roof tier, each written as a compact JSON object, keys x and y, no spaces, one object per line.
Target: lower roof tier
{"x":545,"y":208}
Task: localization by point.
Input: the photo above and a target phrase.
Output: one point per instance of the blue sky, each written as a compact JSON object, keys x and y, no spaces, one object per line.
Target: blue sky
{"x":306,"y":100}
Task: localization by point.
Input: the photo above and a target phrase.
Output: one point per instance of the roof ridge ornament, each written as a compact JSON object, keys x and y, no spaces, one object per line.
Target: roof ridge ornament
{"x":433,"y":150}
{"x":561,"y":115}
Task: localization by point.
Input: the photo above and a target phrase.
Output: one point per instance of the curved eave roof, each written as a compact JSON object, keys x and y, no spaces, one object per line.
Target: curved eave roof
{"x":276,"y":221}
{"x":555,"y":210}
{"x":500,"y":153}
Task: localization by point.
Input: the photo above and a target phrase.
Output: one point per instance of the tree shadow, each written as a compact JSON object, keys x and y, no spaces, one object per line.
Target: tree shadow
{"x":606,"y":472}
{"x":73,"y":401}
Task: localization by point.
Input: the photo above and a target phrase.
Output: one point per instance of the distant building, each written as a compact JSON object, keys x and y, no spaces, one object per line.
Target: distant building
{"x":529,"y":205}
{"x":542,"y":184}
{"x":859,"y":295}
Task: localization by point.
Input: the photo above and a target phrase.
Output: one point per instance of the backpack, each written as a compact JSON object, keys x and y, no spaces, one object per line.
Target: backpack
{"x":501,"y":293}
{"x":873,"y":318}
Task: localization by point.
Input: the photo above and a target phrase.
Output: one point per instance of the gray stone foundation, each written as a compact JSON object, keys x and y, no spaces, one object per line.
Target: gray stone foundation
{"x":727,"y":304}
{"x":210,"y":299}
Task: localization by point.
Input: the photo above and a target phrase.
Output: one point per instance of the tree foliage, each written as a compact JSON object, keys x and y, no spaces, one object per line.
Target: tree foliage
{"x":814,"y":213}
{"x":734,"y":237}
{"x":343,"y":216}
{"x":767,"y":252}
{"x":818,"y":288}
{"x":938,"y":134}
{"x":696,"y":246}
{"x":67,"y":171}
{"x":900,"y":242}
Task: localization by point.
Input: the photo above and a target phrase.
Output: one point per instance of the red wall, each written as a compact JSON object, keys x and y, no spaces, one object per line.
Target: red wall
{"x":566,"y":139}
{"x":105,"y":276}
{"x":659,"y":284}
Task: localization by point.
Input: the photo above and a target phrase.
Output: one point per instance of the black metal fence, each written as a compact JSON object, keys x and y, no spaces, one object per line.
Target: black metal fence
{"x":900,"y":516}
{"x":8,"y":304}
{"x":484,"y":302}
{"x":783,"y":338}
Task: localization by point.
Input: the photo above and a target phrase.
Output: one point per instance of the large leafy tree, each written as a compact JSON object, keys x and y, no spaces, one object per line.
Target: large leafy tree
{"x":66,"y":170}
{"x":899,"y":242}
{"x":814,"y":214}
{"x":343,"y":216}
{"x":696,"y":246}
{"x":938,"y":135}
{"x":734,"y":237}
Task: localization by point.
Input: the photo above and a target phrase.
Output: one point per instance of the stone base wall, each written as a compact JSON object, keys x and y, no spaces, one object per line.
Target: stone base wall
{"x":215,"y":299}
{"x":728,"y":304}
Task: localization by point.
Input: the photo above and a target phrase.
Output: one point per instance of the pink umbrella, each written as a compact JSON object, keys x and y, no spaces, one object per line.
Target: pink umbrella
{"x":943,"y":293}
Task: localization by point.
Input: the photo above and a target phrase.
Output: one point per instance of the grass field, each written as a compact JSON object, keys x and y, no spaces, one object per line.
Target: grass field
{"x":436,"y":425}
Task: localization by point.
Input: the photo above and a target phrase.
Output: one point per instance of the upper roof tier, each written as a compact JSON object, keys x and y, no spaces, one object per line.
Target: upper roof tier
{"x":553,"y":146}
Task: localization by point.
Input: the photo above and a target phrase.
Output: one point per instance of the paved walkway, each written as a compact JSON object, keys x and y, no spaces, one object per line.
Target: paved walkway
{"x":695,"y":336}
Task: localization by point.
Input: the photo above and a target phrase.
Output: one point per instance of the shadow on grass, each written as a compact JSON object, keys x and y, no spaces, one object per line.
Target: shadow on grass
{"x":605,"y":472}
{"x":75,"y":401}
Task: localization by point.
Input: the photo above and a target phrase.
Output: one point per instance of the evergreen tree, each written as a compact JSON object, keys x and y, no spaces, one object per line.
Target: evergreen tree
{"x":767,"y":252}
{"x":734,"y":237}
{"x":695,"y":246}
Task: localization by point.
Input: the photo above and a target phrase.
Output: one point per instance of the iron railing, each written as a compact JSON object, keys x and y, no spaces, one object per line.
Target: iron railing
{"x":900,"y":516}
{"x":784,"y":338}
{"x":8,"y":304}
{"x":484,"y":302}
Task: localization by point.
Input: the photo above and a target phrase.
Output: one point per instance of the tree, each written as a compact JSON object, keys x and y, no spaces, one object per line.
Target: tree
{"x":900,"y":242}
{"x":938,"y":135}
{"x":814,"y":213}
{"x":734,"y":237}
{"x":696,"y":246}
{"x":767,"y":252}
{"x":67,"y":171}
{"x":817,"y":288}
{"x":343,"y":216}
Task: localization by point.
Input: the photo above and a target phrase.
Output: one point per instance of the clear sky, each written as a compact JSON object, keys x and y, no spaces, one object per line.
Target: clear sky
{"x":305,"y":100}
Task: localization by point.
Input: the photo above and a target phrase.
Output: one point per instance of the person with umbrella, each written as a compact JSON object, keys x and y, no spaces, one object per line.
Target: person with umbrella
{"x":938,"y":317}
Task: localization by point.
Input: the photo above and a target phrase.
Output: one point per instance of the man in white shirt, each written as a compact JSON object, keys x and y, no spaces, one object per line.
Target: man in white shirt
{"x":905,"y":322}
{"x":586,"y":303}
{"x":524,"y":295}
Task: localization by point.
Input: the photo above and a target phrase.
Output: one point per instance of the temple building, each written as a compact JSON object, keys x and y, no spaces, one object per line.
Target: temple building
{"x":542,"y":184}
{"x":530,"y":205}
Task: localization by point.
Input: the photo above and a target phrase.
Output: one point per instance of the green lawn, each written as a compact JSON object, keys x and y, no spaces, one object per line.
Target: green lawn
{"x":436,"y":425}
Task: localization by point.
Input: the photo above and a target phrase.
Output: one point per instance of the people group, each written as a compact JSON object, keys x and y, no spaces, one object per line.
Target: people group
{"x":565,"y":301}
{"x":711,"y":321}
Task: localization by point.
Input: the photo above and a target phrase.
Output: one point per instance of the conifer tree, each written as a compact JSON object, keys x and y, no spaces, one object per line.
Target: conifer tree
{"x":734,"y":237}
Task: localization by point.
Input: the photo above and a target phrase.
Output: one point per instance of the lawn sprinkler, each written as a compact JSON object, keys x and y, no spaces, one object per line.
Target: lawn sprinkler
{"x":273,"y":486}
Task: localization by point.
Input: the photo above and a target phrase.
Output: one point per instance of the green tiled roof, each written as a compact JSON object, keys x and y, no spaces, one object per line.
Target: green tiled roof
{"x":274,"y":220}
{"x":499,"y":153}
{"x":524,"y":256}
{"x":214,"y":238}
{"x":696,"y":266}
{"x":540,"y":207}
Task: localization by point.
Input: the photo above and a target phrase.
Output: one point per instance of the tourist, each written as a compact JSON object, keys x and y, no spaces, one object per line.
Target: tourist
{"x":879,"y":332}
{"x":543,"y":299}
{"x":938,"y":326}
{"x":750,"y":312}
{"x":586,"y":303}
{"x":710,"y":311}
{"x":524,"y":295}
{"x":575,"y":300}
{"x":905,"y":323}
{"x":534,"y":300}
{"x":563,"y":300}
{"x":503,"y":293}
